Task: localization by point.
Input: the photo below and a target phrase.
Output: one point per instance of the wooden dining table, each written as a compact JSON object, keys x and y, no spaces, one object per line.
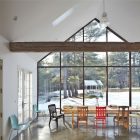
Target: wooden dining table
{"x":68,"y":109}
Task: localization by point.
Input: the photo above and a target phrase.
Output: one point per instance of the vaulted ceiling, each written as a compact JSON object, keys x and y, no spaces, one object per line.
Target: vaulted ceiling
{"x":56,"y":20}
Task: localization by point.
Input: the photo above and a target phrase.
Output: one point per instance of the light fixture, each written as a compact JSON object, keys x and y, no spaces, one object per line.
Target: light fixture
{"x":104,"y":22}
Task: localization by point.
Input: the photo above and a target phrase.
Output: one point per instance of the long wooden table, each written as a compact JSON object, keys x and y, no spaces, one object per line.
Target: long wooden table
{"x":92,"y":110}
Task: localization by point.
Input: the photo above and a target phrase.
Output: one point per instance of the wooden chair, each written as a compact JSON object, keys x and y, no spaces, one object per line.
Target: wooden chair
{"x":54,"y":115}
{"x":82,"y":115}
{"x":122,"y":117}
{"x":100,"y":117}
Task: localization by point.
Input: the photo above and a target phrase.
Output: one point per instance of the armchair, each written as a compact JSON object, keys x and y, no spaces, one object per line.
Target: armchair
{"x":54,"y":114}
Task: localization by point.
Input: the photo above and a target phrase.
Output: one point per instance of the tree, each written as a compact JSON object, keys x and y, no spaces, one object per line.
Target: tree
{"x":73,"y":84}
{"x":118,"y":76}
{"x":93,"y":31}
{"x":68,"y":73}
{"x":135,"y":57}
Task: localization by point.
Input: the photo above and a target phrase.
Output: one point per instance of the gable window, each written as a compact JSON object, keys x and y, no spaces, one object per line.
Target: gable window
{"x":85,"y":78}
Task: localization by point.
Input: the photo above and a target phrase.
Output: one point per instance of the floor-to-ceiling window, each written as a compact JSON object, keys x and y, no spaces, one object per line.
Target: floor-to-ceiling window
{"x":90,"y":78}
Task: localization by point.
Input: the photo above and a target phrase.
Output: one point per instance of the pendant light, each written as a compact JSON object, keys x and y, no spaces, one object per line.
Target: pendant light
{"x":104,"y":22}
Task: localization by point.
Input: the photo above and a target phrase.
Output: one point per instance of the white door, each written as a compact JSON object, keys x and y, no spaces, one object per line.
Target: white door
{"x":1,"y":100}
{"x":24,"y":95}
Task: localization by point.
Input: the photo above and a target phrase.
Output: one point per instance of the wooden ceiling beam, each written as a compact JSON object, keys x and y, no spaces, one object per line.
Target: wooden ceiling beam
{"x":73,"y":46}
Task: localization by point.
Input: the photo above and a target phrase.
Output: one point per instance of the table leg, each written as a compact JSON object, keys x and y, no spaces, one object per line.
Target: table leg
{"x":136,"y":123}
{"x":72,"y":119}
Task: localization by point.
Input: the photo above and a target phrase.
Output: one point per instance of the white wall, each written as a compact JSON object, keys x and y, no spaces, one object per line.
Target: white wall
{"x":11,"y":61}
{"x":1,"y":17}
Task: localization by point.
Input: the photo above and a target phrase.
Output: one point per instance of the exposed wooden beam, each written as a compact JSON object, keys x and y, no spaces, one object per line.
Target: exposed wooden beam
{"x":73,"y":46}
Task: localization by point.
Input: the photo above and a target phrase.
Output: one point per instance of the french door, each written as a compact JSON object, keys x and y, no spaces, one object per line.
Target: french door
{"x":24,"y":95}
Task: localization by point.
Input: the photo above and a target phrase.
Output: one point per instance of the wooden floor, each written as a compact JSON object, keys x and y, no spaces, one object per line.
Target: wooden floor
{"x":41,"y":131}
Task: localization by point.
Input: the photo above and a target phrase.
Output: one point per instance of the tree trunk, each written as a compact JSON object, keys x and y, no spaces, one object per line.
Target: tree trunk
{"x":72,"y":91}
{"x":76,"y":91}
{"x":65,"y":83}
{"x":69,"y":91}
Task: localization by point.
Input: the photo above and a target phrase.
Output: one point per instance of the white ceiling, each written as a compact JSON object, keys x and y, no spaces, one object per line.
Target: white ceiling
{"x":56,"y":20}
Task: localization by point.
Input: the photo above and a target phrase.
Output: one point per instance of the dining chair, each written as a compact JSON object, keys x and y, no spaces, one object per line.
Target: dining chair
{"x":122,"y":117}
{"x":82,"y":115}
{"x":36,"y":111}
{"x":55,"y":115}
{"x":100,"y":117}
{"x":18,"y":127}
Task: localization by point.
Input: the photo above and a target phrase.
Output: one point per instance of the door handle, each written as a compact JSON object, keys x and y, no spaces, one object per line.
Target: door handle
{"x":23,"y":103}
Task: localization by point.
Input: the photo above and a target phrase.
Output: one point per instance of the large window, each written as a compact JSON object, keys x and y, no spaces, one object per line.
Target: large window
{"x":135,"y":78}
{"x":90,"y":78}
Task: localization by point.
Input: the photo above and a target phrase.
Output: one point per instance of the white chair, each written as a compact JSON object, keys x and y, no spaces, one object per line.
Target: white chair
{"x":18,"y":127}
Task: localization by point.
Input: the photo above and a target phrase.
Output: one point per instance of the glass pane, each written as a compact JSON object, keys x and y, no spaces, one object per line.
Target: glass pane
{"x":118,"y":58}
{"x":20,"y":96}
{"x":52,"y":59}
{"x":49,"y":87}
{"x":72,"y":59}
{"x":79,"y":36}
{"x":95,"y":86}
{"x":118,"y":86}
{"x":95,"y":58}
{"x":72,"y":39}
{"x":26,"y":99}
{"x":135,"y":58}
{"x":102,"y":36}
{"x":72,"y":85}
{"x":113,"y":38}
{"x":136,"y":87}
{"x":24,"y":96}
{"x":93,"y":33}
{"x":31,"y":95}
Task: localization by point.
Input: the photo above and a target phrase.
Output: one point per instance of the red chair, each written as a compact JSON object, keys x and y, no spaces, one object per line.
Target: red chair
{"x":100,"y":117}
